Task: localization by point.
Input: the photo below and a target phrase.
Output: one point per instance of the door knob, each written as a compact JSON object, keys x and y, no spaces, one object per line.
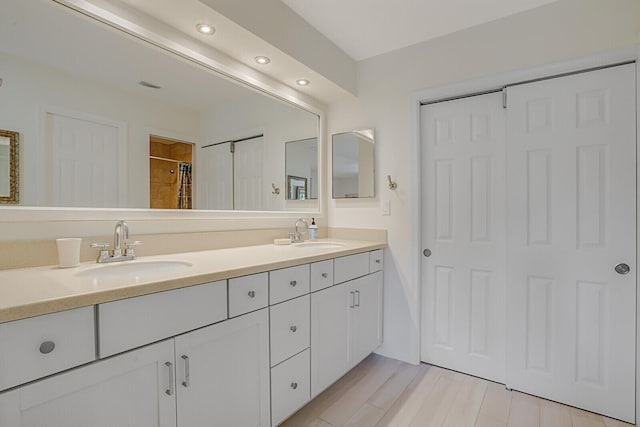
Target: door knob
{"x":622,"y":268}
{"x":426,"y":253}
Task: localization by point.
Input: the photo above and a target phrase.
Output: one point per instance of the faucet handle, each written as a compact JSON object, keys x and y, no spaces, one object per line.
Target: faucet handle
{"x":102,"y":246}
{"x":104,"y":251}
{"x":129,"y":247}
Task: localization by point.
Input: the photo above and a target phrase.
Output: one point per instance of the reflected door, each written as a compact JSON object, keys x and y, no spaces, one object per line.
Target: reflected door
{"x":216,"y":190}
{"x":247,"y":175}
{"x":572,"y":219}
{"x":463,"y":298}
{"x":84,"y":161}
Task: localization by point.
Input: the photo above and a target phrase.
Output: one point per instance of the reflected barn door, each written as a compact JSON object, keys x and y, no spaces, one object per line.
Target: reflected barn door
{"x":571,"y":186}
{"x":216,"y":188}
{"x":247,"y":175}
{"x":463,"y":197}
{"x":84,"y":163}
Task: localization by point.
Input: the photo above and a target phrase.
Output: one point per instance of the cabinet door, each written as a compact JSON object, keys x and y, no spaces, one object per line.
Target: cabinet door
{"x":366,"y":316}
{"x":223,"y":373}
{"x":330,"y":335}
{"x":134,"y":389}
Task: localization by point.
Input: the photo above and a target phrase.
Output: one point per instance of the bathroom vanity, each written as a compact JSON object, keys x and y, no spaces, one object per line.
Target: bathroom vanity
{"x":235,"y":337}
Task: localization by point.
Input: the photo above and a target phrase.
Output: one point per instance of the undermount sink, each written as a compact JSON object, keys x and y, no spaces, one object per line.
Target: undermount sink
{"x":319,"y":245}
{"x":133,"y":268}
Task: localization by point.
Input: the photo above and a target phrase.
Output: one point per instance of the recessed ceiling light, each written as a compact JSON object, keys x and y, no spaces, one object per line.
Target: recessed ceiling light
{"x":205,"y":29}
{"x":303,"y":82}
{"x":262,"y":60}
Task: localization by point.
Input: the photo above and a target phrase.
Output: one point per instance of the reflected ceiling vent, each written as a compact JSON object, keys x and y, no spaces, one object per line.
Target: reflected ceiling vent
{"x":147,"y":84}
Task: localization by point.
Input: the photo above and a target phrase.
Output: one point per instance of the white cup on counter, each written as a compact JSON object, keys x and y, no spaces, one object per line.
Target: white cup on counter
{"x":68,"y":252}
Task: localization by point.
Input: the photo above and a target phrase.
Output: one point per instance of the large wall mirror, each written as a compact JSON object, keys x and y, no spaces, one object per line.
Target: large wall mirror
{"x":110,"y":121}
{"x":353,"y":164}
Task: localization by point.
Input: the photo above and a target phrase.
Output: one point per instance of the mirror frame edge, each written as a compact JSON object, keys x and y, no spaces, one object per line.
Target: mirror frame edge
{"x":238,"y":73}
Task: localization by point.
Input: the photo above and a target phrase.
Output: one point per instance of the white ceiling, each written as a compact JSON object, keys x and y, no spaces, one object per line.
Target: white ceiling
{"x":366,"y":28}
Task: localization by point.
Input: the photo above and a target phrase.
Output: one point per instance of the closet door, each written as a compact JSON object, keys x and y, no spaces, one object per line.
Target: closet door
{"x":571,"y":183}
{"x":463,"y":200}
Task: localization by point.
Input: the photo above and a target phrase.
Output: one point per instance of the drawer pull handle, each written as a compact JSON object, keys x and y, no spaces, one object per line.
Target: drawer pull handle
{"x":293,"y":283}
{"x":294,"y":385}
{"x":169,"y":391}
{"x":293,"y":328}
{"x":377,"y":261}
{"x":324,"y":275}
{"x":185,"y":383}
{"x":252,"y":294}
{"x":47,"y":347}
{"x":353,"y":299}
{"x":357,"y":304}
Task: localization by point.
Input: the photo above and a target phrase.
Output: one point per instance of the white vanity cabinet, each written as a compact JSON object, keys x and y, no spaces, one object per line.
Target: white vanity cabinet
{"x":243,"y":352}
{"x":346,"y":325}
{"x":132,"y":389}
{"x":222,"y":373}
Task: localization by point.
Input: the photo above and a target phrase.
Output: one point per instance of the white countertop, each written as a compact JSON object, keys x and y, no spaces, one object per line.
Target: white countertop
{"x":29,"y":292}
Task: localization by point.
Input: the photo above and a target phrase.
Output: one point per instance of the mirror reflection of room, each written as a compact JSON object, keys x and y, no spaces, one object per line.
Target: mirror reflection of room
{"x":302,"y":169}
{"x":170,"y":172}
{"x":353,"y":164}
{"x":86,"y":124}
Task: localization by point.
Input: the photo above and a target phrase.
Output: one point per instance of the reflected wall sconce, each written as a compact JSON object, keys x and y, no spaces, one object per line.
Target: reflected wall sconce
{"x":276,"y":190}
{"x":392,"y":185}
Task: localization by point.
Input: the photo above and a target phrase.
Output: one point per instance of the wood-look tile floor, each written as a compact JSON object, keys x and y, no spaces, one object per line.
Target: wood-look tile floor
{"x":385,"y":392}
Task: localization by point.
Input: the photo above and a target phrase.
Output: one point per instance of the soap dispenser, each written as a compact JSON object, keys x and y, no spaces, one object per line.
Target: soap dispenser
{"x":313,"y":230}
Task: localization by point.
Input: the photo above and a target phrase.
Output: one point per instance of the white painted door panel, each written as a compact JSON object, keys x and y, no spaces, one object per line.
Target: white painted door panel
{"x":463,"y":196}
{"x":223,"y":380}
{"x":247,"y":175}
{"x":217,"y":172}
{"x":571,"y":204}
{"x":128,"y":390}
{"x":84,"y":163}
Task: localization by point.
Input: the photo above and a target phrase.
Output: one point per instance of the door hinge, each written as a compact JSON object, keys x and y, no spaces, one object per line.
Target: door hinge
{"x":504,"y":97}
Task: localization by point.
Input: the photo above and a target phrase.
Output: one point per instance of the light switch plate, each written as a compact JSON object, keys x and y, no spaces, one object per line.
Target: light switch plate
{"x":386,"y":207}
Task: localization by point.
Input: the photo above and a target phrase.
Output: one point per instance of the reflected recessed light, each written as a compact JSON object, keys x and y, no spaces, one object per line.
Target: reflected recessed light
{"x":205,"y":29}
{"x":262,"y":60}
{"x":303,"y":82}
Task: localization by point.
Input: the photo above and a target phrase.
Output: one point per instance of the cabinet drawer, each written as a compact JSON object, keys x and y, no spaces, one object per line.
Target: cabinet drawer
{"x":376,"y":260}
{"x":289,"y":328}
{"x":290,"y":387}
{"x":248,"y":293}
{"x":39,"y":346}
{"x":288,"y":283}
{"x":351,"y":266}
{"x":133,"y":322}
{"x":321,"y":275}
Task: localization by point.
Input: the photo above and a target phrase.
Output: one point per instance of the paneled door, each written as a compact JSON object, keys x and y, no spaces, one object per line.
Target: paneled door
{"x":571,"y":277}
{"x":84,"y":161}
{"x":247,"y":175}
{"x":463,"y":197}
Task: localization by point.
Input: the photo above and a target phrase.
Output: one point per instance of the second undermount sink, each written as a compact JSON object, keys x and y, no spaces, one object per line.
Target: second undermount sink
{"x":319,"y":245}
{"x":134,"y":269}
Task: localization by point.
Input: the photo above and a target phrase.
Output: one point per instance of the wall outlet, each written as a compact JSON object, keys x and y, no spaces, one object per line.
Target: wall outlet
{"x":386,"y":207}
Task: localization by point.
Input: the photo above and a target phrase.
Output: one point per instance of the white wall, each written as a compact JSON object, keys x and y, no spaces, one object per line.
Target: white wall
{"x":28,"y":86}
{"x":560,"y":31}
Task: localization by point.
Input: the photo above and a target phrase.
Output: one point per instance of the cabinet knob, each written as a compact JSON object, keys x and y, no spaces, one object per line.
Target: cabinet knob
{"x":293,"y":283}
{"x":47,"y":347}
{"x":252,"y":294}
{"x":294,"y":385}
{"x":324,"y":275}
{"x":293,"y":328}
{"x":377,"y":261}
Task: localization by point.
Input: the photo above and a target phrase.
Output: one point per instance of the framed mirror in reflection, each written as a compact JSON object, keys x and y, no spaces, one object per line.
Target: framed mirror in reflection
{"x":301,"y":166}
{"x":353,"y":164}
{"x":91,"y":109}
{"x":9,"y":185}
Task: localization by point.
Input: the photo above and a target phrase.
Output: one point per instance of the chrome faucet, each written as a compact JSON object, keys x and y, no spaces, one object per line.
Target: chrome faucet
{"x":297,"y":236}
{"x":120,"y":239}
